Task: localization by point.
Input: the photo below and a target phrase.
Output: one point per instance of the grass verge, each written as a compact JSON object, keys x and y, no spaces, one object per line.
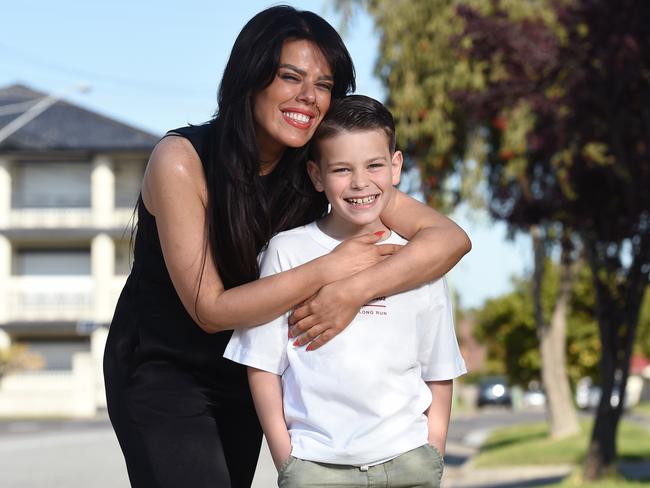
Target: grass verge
{"x":530,"y":445}
{"x":616,"y":481}
{"x":643,"y":408}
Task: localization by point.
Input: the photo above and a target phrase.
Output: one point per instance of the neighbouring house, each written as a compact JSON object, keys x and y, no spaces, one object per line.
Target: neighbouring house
{"x":474,"y":354}
{"x":640,"y":377}
{"x":69,"y":181}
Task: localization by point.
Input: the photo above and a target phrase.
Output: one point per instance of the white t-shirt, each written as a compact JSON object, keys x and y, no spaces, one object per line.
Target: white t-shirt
{"x":361,"y":397}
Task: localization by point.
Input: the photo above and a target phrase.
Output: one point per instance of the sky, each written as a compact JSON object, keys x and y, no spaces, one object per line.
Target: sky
{"x":156,"y":65}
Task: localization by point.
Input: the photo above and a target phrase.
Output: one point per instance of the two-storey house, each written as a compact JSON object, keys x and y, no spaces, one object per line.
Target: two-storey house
{"x":69,"y":181}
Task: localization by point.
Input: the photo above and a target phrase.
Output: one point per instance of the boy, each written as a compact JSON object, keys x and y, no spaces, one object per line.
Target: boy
{"x":371,"y":407}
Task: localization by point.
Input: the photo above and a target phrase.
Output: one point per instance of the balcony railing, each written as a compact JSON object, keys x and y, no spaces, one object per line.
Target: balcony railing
{"x":29,"y":218}
{"x":60,"y":298}
{"x":50,"y":298}
{"x":64,"y":218}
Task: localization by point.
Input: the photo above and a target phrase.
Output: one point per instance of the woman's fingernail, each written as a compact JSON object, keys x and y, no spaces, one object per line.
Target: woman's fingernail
{"x":295,"y":343}
{"x":380,"y":233}
{"x":310,"y":347}
{"x":290,"y":334}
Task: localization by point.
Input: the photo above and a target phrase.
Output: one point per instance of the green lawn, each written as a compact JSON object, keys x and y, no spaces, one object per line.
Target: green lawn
{"x":529,"y":445}
{"x":643,"y":408}
{"x":574,"y":481}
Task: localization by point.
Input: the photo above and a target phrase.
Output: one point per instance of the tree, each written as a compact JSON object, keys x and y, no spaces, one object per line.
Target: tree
{"x":517,"y":54}
{"x":448,"y":103}
{"x":587,"y":157}
{"x":553,"y":97}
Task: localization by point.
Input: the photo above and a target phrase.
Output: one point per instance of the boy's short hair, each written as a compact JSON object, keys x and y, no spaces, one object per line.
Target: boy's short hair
{"x":350,"y":114}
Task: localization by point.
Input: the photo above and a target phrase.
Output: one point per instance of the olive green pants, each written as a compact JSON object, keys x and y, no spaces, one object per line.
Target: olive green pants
{"x":419,"y":468}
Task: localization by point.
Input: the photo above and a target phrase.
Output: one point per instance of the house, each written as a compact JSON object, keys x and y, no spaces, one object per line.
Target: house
{"x":69,"y":181}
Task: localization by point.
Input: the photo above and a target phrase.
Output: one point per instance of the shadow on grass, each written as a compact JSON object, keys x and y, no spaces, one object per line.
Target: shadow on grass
{"x":635,"y":457}
{"x":543,"y":481}
{"x":637,"y":470}
{"x":514,"y":439}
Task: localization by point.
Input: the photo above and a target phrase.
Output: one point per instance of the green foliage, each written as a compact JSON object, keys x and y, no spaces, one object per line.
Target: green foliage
{"x":421,"y":73}
{"x":549,"y":100}
{"x":506,"y":326}
{"x":424,"y":62}
{"x":642,"y":344}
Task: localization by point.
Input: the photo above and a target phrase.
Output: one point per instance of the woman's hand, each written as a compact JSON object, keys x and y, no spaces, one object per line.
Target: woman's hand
{"x":356,"y":254}
{"x":324,"y":315}
{"x":320,"y":318}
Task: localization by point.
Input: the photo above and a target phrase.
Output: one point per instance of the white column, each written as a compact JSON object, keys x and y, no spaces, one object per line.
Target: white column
{"x":97,"y":344}
{"x":5,"y":191}
{"x":102,"y":190}
{"x":83,"y":386}
{"x":5,"y":276}
{"x":102,"y":258}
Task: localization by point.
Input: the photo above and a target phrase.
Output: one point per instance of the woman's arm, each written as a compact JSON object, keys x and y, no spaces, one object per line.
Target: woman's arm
{"x":174,"y":191}
{"x":436,"y":245}
{"x":266,"y":389}
{"x":439,"y":412}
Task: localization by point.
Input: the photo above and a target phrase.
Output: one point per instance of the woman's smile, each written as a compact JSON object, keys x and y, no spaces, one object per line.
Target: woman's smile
{"x":288,"y":110}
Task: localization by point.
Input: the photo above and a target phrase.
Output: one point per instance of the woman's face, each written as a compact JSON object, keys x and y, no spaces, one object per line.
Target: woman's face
{"x":288,"y":110}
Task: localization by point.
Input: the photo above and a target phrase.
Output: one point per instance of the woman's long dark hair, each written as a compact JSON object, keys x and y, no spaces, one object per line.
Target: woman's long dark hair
{"x":243,"y":213}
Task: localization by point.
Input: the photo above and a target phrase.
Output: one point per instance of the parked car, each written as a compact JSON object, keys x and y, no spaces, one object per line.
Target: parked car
{"x":588,"y":395}
{"x":534,"y":398}
{"x":494,"y":390}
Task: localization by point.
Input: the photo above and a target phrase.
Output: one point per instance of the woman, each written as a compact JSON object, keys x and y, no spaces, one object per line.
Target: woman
{"x":211,"y":198}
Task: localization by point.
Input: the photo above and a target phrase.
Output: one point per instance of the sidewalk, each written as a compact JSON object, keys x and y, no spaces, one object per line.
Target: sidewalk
{"x":461,"y":473}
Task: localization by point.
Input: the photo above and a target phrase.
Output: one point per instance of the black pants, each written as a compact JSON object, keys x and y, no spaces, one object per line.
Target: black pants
{"x":176,"y":432}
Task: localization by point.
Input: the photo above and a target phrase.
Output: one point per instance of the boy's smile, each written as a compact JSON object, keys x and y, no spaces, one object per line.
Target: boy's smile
{"x":357,"y":173}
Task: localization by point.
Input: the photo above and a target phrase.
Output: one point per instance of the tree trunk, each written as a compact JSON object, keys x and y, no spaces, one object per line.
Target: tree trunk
{"x":562,"y":417}
{"x":601,"y":453}
{"x":602,"y":448}
{"x":618,"y":302}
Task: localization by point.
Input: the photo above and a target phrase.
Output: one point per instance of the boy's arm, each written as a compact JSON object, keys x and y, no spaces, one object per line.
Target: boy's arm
{"x":267,"y":394}
{"x":439,"y":412}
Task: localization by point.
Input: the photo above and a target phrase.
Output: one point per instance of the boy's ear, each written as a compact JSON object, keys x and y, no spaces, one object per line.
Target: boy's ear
{"x":313,"y":169}
{"x":396,"y":166}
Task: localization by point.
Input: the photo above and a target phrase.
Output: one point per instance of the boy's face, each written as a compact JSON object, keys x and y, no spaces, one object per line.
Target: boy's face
{"x":357,"y":173}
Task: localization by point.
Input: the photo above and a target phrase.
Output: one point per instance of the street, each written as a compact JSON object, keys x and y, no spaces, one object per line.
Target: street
{"x":85,"y":454}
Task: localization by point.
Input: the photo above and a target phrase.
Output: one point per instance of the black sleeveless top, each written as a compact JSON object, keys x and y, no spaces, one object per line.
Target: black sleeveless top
{"x":151,"y":313}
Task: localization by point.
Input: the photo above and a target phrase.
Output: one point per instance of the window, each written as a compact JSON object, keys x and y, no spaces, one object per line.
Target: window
{"x":128,"y":180}
{"x":51,"y":184}
{"x":52,"y":262}
{"x":123,"y":257}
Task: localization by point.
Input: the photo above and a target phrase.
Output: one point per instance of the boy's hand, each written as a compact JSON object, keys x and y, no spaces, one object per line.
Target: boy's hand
{"x":320,"y":318}
{"x":281,"y":459}
{"x":439,"y":445}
